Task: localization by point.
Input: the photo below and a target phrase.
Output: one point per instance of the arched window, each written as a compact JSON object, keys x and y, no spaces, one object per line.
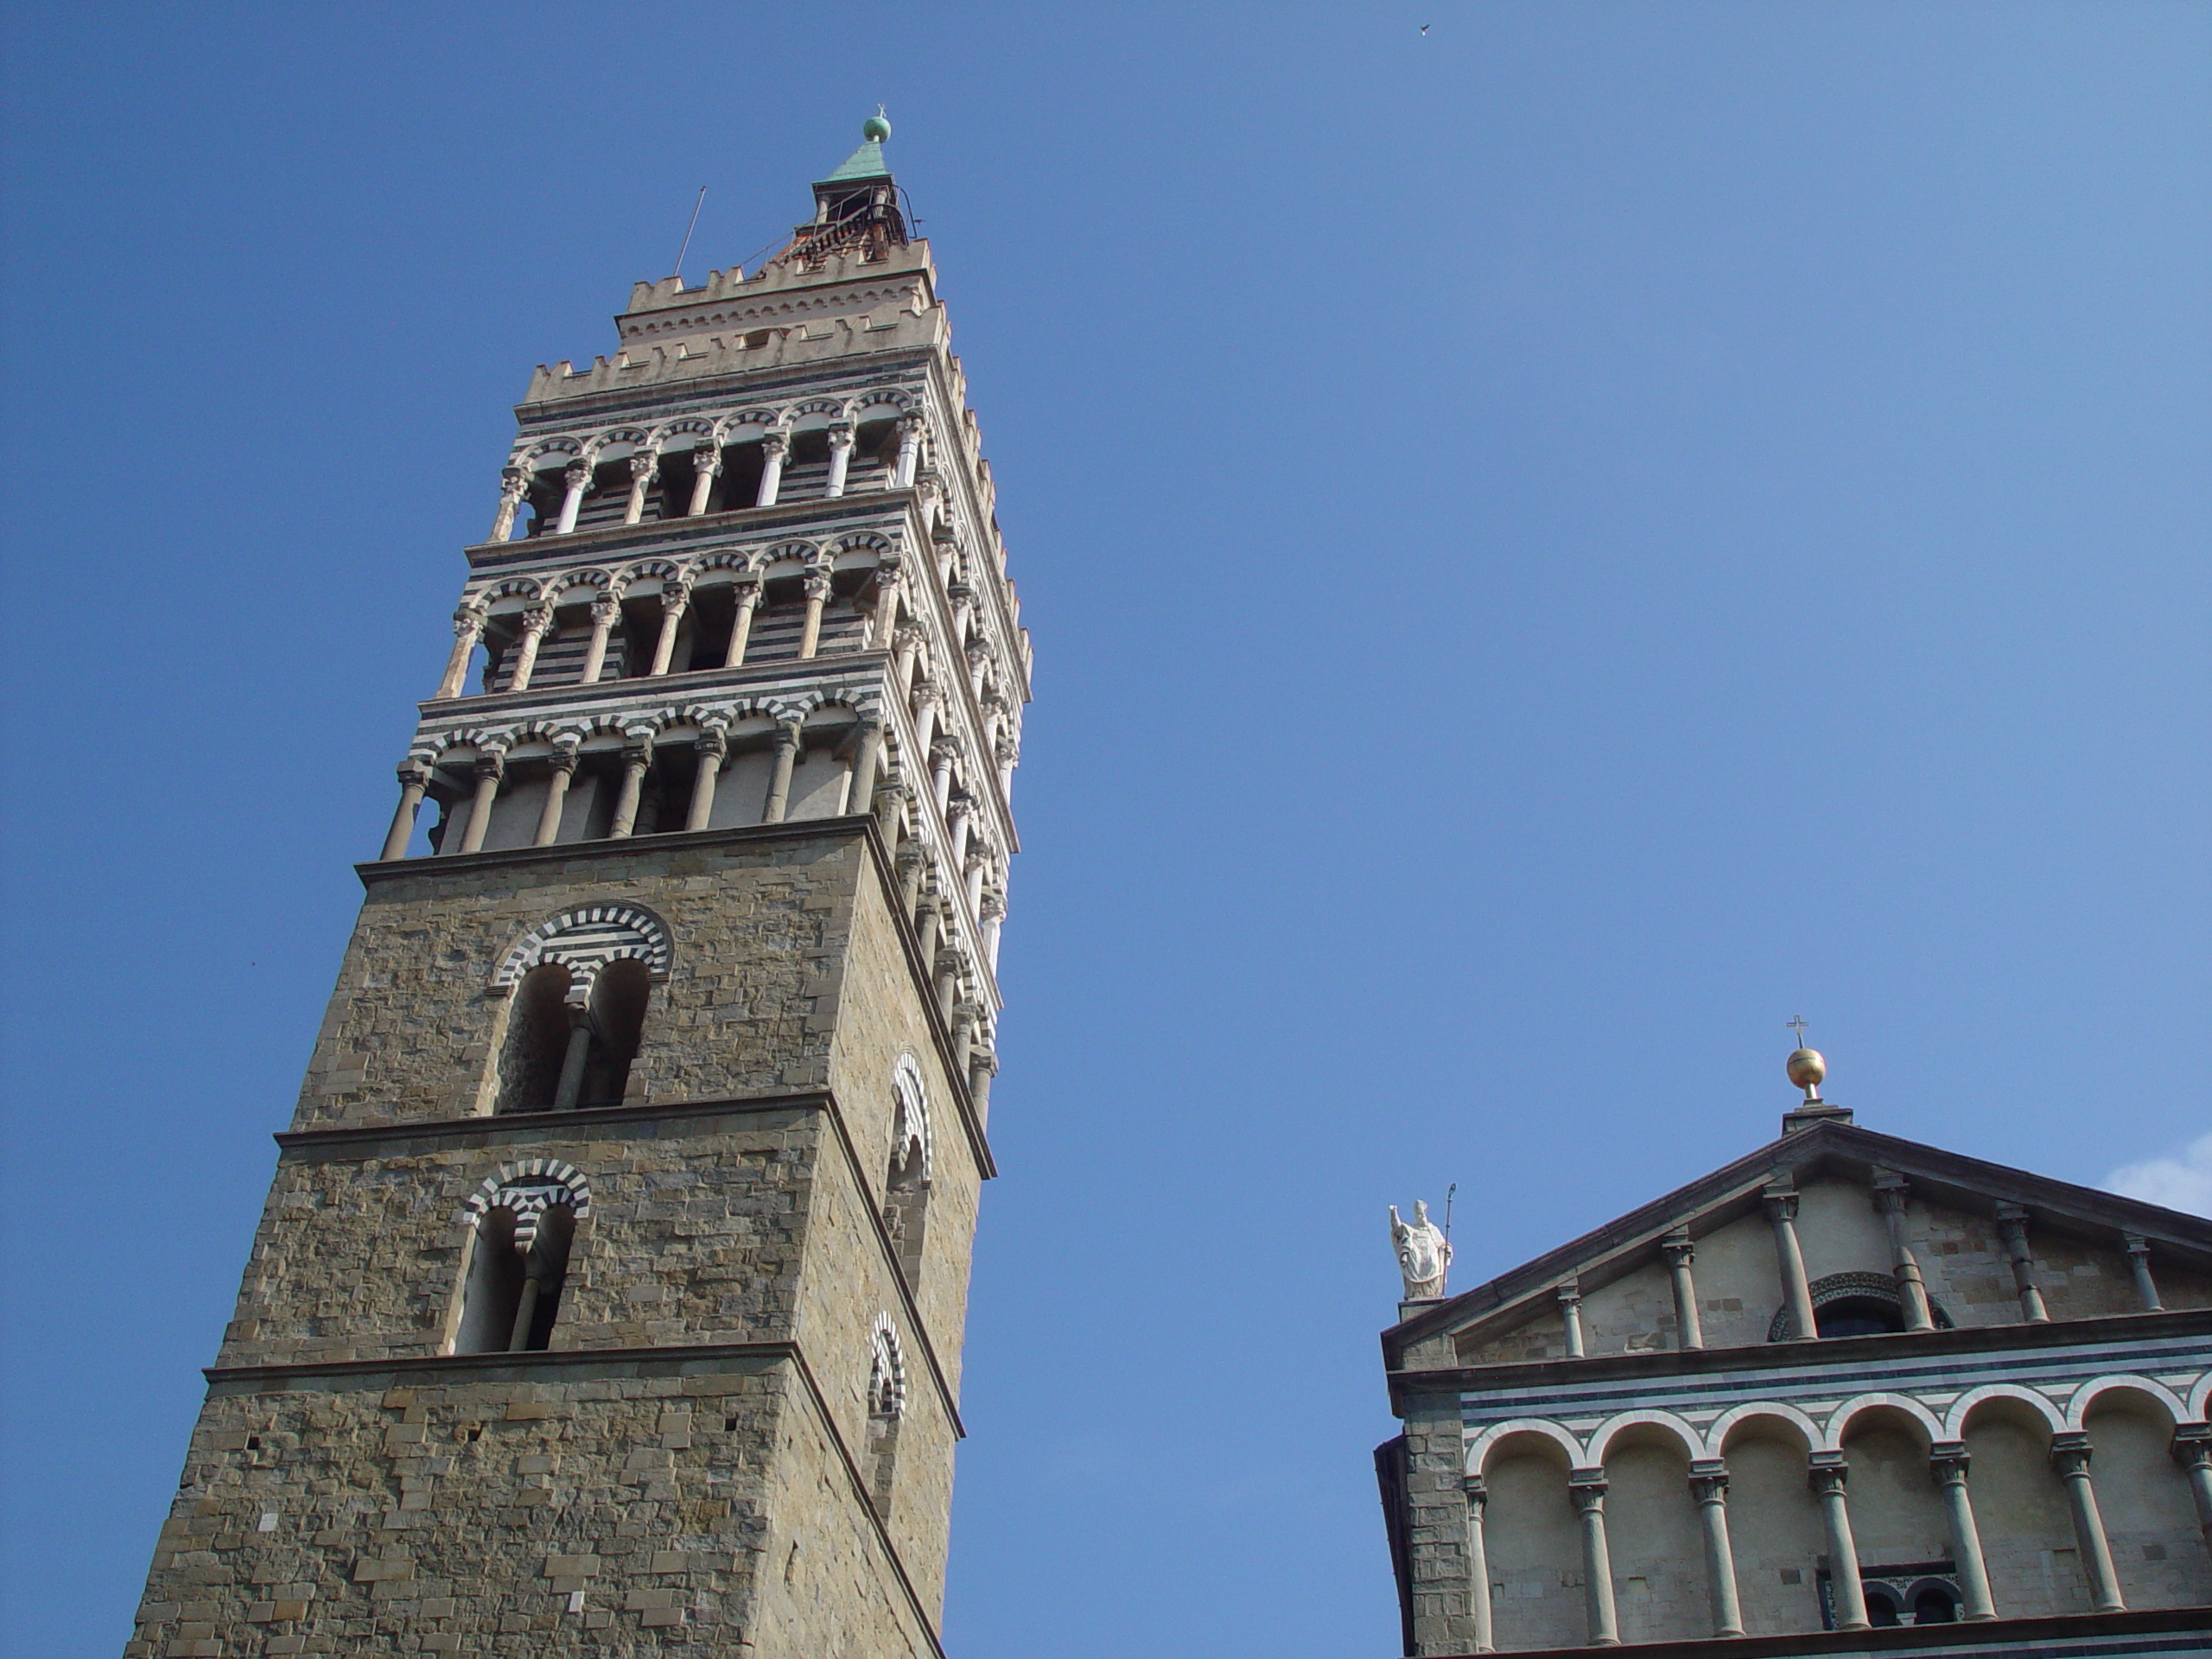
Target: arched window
{"x":525,"y":1223}
{"x":1854,"y":1305}
{"x":581,"y":984}
{"x":616,"y":1017}
{"x":906,"y":1184}
{"x":538,"y":1029}
{"x":887,"y":1406}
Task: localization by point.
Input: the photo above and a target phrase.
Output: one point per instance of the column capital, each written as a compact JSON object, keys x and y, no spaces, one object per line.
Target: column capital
{"x":1891,"y":1191}
{"x":563,"y":757}
{"x":2136,"y":1244}
{"x":645,"y":466}
{"x":638,"y":754}
{"x":674,"y":594}
{"x":787,"y":732}
{"x":1708,"y":1486}
{"x":576,"y":474}
{"x":468,"y":621}
{"x":776,"y":443}
{"x":491,"y":763}
{"x":707,"y":460}
{"x":817,"y":584}
{"x":714,"y":740}
{"x":2070,"y":1455}
{"x":414,"y":770}
{"x":1678,"y":1248}
{"x":1949,"y":1459}
{"x":993,"y":906}
{"x":1781,"y":1205}
{"x":841,"y":434}
{"x":944,"y":749}
{"x":2013,"y":1215}
{"x":747,"y":590}
{"x":948,"y":960}
{"x":2192,"y":1446}
{"x":911,"y":423}
{"x":605,"y":607}
{"x":925,"y":694}
{"x":1827,"y":1473}
{"x":909,"y":857}
{"x":514,"y":481}
{"x":1587,"y":1487}
{"x":535,"y":619}
{"x":1570,"y":1293}
{"x":1476,"y":1488}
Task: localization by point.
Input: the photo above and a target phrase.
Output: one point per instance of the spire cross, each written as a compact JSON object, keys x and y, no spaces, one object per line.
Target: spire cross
{"x":1797,"y":1026}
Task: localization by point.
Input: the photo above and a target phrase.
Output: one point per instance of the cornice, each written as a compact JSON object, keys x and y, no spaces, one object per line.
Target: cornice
{"x":682,"y":688}
{"x":2003,"y":1638}
{"x":622,"y":544}
{"x":551,"y":414}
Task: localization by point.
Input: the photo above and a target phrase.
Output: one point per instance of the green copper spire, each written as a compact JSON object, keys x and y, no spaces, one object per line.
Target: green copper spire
{"x":867,"y":161}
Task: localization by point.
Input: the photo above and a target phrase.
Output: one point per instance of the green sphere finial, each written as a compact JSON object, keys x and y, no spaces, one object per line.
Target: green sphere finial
{"x":876,"y":128}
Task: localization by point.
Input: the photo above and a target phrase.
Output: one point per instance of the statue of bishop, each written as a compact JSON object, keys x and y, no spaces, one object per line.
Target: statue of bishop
{"x":1423,"y":1253}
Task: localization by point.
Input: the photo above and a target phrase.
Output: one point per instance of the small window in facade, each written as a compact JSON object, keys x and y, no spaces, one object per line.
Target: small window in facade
{"x":887,"y":1406}
{"x":907,"y":1183}
{"x":524,"y":1225}
{"x":581,"y":984}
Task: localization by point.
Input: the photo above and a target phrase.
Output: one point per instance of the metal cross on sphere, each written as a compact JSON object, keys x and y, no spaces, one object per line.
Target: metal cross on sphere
{"x":1797,"y":1026}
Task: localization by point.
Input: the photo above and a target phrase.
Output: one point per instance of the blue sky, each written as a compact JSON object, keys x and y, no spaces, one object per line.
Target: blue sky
{"x":1553,"y":546}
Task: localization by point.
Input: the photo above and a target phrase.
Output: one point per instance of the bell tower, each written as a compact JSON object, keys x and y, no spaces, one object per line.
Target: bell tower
{"x":610,"y":1291}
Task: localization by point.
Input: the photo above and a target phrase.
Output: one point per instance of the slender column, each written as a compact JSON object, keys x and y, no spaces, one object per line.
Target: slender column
{"x":817,"y":595}
{"x":514,"y":485}
{"x":740,"y":631}
{"x":910,"y":451}
{"x":883,"y":618}
{"x":909,"y":882}
{"x":906,"y":643}
{"x":2192,"y":1449}
{"x":926,"y":702}
{"x":535,"y":621}
{"x":1948,"y":1460}
{"x":414,"y":778}
{"x":982,"y":1066}
{"x":779,"y":780}
{"x":2013,"y":1221}
{"x":947,"y":983}
{"x":1890,"y":1192}
{"x":1587,"y":1488}
{"x":604,"y":609}
{"x":571,"y":1087}
{"x":2138,"y":1262}
{"x":712,"y":748}
{"x":964,"y":1016}
{"x":467,"y":629}
{"x":1007,"y":754}
{"x":992,"y":911}
{"x":925,"y":928}
{"x":860,"y":785}
{"x":527,"y":1308}
{"x":1827,"y":1473}
{"x":576,"y":477}
{"x":841,"y":455}
{"x":890,"y":799}
{"x":644,"y":469}
{"x":2069,"y":1455}
{"x":556,"y":795}
{"x":674,"y":596}
{"x":941,"y":752}
{"x":1570,"y":1313}
{"x":707,"y":467}
{"x":774,"y":446}
{"x":962,"y":817}
{"x":976,"y":866}
{"x":1796,"y":1293}
{"x":1709,"y":1486}
{"x":1679,"y":1253}
{"x":489,"y":765}
{"x":1478,"y":1564}
{"x":636,"y":759}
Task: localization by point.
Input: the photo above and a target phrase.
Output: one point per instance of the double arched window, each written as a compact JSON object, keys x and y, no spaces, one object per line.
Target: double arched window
{"x":907,"y":1183}
{"x":579,"y":985}
{"x":525,"y":1222}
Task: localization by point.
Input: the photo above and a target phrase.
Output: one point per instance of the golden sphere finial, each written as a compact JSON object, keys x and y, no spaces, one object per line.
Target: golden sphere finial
{"x":1806,"y":1069}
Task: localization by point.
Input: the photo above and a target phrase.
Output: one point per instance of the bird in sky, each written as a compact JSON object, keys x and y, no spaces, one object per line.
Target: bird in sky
{"x":1424,"y":28}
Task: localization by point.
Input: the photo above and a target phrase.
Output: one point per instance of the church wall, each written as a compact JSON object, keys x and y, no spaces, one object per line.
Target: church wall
{"x":1738,"y":1285}
{"x":1838,"y":1230}
{"x":1535,"y":1555}
{"x":1542,"y":1338}
{"x":1774,"y":1528}
{"x":1897,"y":1513}
{"x":2147,"y":1509}
{"x":1634,"y":1314}
{"x":1437,"y":1525}
{"x":1659,"y":1560}
{"x":2019,"y":1506}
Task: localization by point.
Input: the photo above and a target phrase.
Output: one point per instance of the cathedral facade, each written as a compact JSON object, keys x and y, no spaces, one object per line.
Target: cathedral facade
{"x":1849,"y":1394}
{"x":609,"y":1295}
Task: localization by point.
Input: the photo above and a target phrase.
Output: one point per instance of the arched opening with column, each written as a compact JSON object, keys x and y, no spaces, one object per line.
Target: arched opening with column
{"x":536,"y":1045}
{"x":2028,"y":1545}
{"x":2150,"y":1516}
{"x":615,"y":1011}
{"x":1773,"y":1521}
{"x":580,"y":984}
{"x":1533,"y":1543}
{"x":522,"y":1224}
{"x":744,"y":459}
{"x":907,"y":1181}
{"x":1653,"y":1533}
{"x":1898,"y":1519}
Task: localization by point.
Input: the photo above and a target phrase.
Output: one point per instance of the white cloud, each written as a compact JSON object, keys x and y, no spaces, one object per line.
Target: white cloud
{"x":2183,"y":1183}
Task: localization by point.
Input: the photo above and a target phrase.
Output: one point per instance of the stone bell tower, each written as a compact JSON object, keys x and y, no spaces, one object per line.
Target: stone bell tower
{"x":609,"y":1296}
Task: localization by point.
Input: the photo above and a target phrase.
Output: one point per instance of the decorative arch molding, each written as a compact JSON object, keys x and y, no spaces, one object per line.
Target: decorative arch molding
{"x":1955,"y":1422}
{"x":526,"y":1190}
{"x":2086,"y":1396}
{"x":910,"y":1111}
{"x":1853,"y":1287}
{"x":1756,"y":1411}
{"x":1479,"y":1448}
{"x":585,"y":940}
{"x":1840,"y":1420}
{"x":1688,"y":1439}
{"x":887,"y":1370}
{"x":571,"y":448}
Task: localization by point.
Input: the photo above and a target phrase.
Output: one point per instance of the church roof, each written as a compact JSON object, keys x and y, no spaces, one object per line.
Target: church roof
{"x":865,"y":162}
{"x":1827,"y":1147}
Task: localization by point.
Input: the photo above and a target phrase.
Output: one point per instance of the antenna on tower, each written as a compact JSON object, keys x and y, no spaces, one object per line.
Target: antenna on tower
{"x":678,"y":272}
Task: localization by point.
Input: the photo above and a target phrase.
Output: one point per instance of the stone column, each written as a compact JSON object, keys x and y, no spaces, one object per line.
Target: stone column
{"x":674,"y":597}
{"x":1679,"y":1253}
{"x":604,"y":609}
{"x":1948,"y":1460}
{"x":2013,"y":1221}
{"x":535,"y":621}
{"x":925,"y":930}
{"x":942,"y":751}
{"x":2192,"y":1449}
{"x":982,"y":1066}
{"x":571,"y":1087}
{"x":636,"y":759}
{"x":906,"y":643}
{"x":1478,"y":1564}
{"x":707,"y":467}
{"x":977,"y":865}
{"x":414,"y":778}
{"x":514,"y":485}
{"x":526,"y":1307}
{"x":2069,"y":1455}
{"x":883,"y":616}
{"x":1007,"y":754}
{"x":1709,"y":1486}
{"x":817,"y":595}
{"x":556,"y":795}
{"x":467,"y":629}
{"x":779,"y":780}
{"x":960,"y":817}
{"x":1570,"y":1313}
{"x":860,"y":782}
{"x":774,"y":446}
{"x":910,"y":452}
{"x":841,"y":455}
{"x":1890,"y":1192}
{"x":1796,"y":1293}
{"x":964,"y":1016}
{"x":909,"y":882}
{"x":992,"y":912}
{"x":1587,"y":1488}
{"x":489,"y":765}
{"x":946,"y":986}
{"x":576,"y":478}
{"x":890,"y":799}
{"x":644,"y":469}
{"x":926,"y":700}
{"x":712,"y":746}
{"x":2138,"y":1262}
{"x":740,"y":632}
{"x":1827,"y":1473}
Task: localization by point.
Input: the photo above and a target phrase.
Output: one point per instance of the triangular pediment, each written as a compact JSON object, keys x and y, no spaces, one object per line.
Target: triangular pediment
{"x":1954,"y":1220}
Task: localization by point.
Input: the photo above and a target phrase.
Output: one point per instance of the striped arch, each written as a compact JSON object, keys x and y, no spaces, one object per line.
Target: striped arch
{"x":530,"y":589}
{"x":797,"y":552}
{"x":883,"y":397}
{"x":1735,"y":1417}
{"x":887,"y":1370}
{"x":731,"y":559}
{"x":569,"y":447}
{"x":1954,"y":1424}
{"x":2200,"y":1397}
{"x":645,"y":569}
{"x":766,"y":419}
{"x":691,"y":426}
{"x":2077,"y":1409}
{"x":1688,"y":1438}
{"x":1840,"y":1420}
{"x":585,"y":940}
{"x":832,"y":407}
{"x":1478,"y":1449}
{"x":526,"y":1190}
{"x":910,"y":1112}
{"x":589,"y":577}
